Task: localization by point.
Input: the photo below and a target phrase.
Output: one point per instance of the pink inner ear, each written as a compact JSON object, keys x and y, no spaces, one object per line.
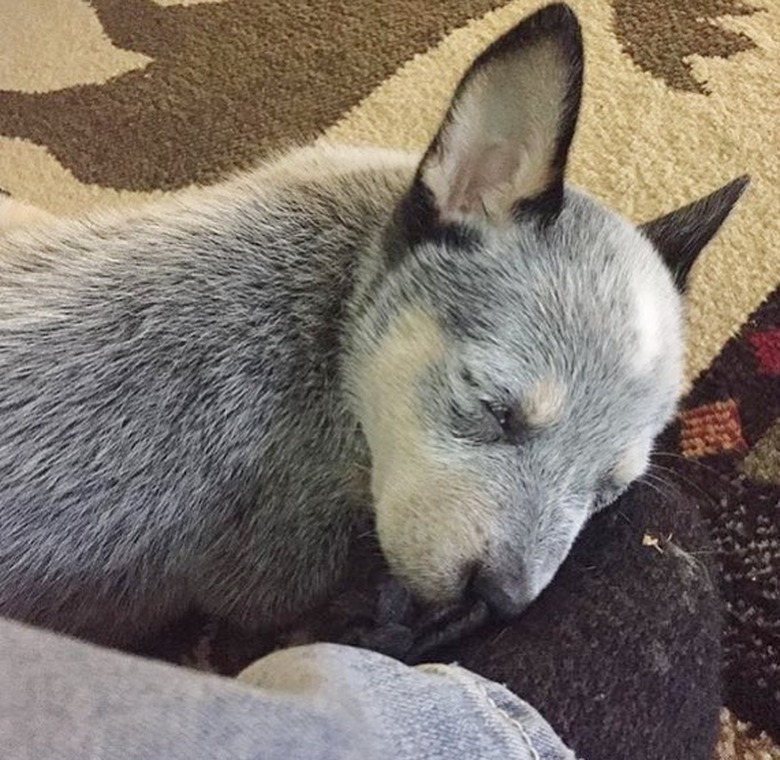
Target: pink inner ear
{"x":488,"y":169}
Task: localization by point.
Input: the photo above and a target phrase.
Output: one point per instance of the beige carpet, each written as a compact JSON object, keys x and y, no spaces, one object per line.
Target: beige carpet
{"x":116,"y":101}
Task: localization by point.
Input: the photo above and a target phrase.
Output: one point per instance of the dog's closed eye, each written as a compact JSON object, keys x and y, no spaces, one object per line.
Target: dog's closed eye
{"x":510,"y":427}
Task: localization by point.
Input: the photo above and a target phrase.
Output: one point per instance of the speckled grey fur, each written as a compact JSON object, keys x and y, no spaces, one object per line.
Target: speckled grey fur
{"x":182,"y":405}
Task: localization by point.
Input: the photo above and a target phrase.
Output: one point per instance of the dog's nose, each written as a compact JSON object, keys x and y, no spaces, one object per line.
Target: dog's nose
{"x":506,"y":593}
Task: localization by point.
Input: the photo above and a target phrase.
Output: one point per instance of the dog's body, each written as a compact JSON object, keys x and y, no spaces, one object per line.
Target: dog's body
{"x":201,"y":399}
{"x":183,"y":366}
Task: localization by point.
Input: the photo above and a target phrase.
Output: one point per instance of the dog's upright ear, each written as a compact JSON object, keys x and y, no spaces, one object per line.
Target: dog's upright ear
{"x":681,"y":235}
{"x":501,"y":149}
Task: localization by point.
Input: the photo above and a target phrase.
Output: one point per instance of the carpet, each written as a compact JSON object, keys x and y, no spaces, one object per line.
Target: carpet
{"x":118,"y":101}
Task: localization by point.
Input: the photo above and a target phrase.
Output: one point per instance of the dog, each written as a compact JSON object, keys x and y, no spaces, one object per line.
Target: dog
{"x":202,"y":398}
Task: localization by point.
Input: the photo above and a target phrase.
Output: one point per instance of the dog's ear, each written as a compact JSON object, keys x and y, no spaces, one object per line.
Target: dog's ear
{"x":501,"y":149}
{"x":680,"y":235}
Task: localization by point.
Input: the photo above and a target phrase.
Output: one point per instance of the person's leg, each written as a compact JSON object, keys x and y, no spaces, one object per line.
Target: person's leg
{"x":69,"y":700}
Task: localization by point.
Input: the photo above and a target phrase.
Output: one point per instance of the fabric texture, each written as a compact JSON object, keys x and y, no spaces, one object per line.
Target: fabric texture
{"x":74,"y":701}
{"x":118,"y":101}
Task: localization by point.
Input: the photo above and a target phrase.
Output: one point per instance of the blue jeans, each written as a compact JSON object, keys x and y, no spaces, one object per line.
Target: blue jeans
{"x":63,"y":699}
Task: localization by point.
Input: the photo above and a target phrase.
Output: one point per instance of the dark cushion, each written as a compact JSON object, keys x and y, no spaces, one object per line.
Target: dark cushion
{"x":621,"y":653}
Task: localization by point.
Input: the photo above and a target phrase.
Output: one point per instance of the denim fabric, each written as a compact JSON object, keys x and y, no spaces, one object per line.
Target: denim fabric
{"x":67,"y":700}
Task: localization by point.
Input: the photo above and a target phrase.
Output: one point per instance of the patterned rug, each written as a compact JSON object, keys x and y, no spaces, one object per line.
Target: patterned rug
{"x":116,"y":101}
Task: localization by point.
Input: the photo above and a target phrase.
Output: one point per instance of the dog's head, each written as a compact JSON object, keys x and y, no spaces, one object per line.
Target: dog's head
{"x":522,"y":345}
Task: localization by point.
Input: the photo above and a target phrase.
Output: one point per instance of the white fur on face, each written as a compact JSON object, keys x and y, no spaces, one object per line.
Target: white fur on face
{"x":390,"y":412}
{"x":647,"y":324}
{"x":428,"y":515}
{"x":633,"y":463}
{"x":656,"y":319}
{"x":544,"y":405}
{"x":499,"y":145}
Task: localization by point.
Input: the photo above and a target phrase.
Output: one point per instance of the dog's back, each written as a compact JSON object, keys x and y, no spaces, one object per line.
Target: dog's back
{"x":160,"y":371}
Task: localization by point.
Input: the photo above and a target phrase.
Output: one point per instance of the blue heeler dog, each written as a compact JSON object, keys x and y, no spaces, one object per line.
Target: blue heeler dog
{"x":200,"y":399}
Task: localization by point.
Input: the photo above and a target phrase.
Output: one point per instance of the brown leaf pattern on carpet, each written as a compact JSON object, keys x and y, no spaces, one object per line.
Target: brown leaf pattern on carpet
{"x":228,"y":104}
{"x":661,"y":37}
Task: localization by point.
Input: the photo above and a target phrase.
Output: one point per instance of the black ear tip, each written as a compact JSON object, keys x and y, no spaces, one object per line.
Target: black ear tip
{"x":739,"y":185}
{"x":561,"y":12}
{"x":680,"y":235}
{"x":555,"y":17}
{"x":553,"y":20}
{"x":728,"y":195}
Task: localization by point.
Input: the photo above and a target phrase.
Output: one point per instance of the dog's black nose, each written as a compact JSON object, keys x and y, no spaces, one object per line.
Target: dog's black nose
{"x":506,"y":593}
